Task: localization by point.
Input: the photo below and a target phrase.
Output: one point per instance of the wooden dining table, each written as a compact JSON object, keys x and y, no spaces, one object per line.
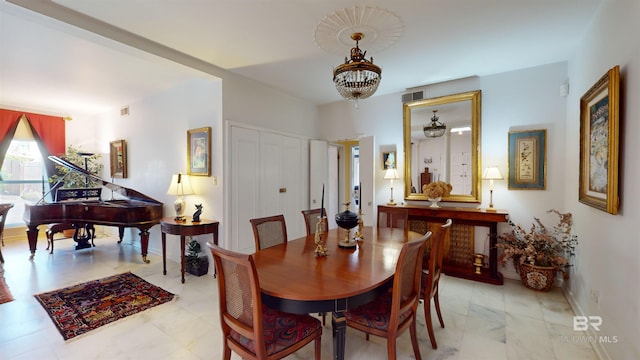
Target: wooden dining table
{"x":294,"y":280}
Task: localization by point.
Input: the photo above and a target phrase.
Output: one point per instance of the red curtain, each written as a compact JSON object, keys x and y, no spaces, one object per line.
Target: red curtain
{"x":49,"y":132}
{"x":8,"y":124}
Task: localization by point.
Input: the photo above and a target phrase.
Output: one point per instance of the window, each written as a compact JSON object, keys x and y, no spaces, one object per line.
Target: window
{"x":22,"y":177}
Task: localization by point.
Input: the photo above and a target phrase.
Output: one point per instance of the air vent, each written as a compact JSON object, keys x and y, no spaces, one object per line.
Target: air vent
{"x":418,"y":95}
{"x":124,"y":111}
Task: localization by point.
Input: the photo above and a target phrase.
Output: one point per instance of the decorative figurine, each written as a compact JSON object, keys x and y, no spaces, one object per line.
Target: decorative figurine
{"x":196,"y":215}
{"x":321,"y":249}
{"x":358,"y":235}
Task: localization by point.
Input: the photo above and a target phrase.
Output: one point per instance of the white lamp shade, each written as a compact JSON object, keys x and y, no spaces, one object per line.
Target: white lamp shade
{"x":391,"y":174}
{"x":180,"y":185}
{"x":492,"y":173}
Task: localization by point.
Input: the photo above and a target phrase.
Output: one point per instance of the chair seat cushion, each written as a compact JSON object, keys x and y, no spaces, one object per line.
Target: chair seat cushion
{"x":281,"y":330}
{"x":375,"y":314}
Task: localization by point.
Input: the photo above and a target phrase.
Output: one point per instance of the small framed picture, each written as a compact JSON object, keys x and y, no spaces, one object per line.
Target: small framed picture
{"x":388,"y":160}
{"x":199,"y":151}
{"x":118,"y":159}
{"x":600,"y":142}
{"x":528,"y":160}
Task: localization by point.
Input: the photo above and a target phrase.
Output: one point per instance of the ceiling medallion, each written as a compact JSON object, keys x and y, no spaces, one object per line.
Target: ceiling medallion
{"x":380,"y":27}
{"x":373,"y":28}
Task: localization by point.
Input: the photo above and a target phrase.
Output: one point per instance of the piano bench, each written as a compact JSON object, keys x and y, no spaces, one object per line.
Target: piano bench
{"x":55,"y":228}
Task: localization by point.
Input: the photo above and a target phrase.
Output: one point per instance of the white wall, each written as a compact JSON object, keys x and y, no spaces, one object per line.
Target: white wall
{"x":255,"y":104}
{"x":156,"y":135}
{"x":607,"y":265}
{"x":527,"y":99}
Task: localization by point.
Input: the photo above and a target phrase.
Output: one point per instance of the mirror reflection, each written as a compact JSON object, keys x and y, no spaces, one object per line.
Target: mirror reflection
{"x":452,"y":155}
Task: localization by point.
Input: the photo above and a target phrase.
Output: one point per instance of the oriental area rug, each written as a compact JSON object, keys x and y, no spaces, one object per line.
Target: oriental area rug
{"x":78,"y":309}
{"x":5,"y":294}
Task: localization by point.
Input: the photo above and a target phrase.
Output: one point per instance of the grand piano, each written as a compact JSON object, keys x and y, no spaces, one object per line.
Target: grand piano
{"x":127,"y":208}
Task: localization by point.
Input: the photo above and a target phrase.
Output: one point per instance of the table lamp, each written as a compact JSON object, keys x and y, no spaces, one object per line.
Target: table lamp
{"x":391,"y":174}
{"x":491,"y":173}
{"x":179,"y":186}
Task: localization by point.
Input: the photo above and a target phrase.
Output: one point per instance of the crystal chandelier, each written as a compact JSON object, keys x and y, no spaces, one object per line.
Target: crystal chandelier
{"x":435,"y":129}
{"x":358,"y":78}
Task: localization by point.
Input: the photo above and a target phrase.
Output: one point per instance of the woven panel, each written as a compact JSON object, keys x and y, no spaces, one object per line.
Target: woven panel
{"x":238,"y":292}
{"x":461,"y":245}
{"x":418,"y":225}
{"x":270,"y":234}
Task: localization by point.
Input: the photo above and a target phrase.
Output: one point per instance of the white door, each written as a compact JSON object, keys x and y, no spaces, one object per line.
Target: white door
{"x":282,"y":177}
{"x":267,"y":175}
{"x":318,"y":173}
{"x":323,"y":172}
{"x":245,"y":187}
{"x":461,"y":173}
{"x":367,"y":178}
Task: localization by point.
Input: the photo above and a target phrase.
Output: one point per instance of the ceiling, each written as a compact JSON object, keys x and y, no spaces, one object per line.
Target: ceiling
{"x":49,"y":65}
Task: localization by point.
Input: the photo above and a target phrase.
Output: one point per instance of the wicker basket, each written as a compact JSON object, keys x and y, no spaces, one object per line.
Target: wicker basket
{"x":539,"y":278}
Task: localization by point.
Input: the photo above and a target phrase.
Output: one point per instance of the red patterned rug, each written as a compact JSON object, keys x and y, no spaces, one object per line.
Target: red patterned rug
{"x":80,"y":308}
{"x":5,"y":294}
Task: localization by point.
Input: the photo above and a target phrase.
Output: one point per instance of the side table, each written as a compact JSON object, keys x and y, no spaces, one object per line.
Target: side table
{"x":183,"y":229}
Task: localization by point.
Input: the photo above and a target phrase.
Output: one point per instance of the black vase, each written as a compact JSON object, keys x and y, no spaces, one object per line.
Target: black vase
{"x":347,"y":219}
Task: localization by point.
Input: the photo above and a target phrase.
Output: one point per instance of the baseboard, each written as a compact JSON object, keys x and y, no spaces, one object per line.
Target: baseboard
{"x":600,"y":351}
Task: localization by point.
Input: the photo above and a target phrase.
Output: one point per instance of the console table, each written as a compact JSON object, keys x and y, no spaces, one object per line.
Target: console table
{"x":185,"y":228}
{"x":461,"y":238}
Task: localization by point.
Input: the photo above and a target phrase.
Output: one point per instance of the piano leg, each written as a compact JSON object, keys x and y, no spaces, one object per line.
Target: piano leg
{"x":144,"y":244}
{"x":32,"y":236}
{"x":120,"y":233}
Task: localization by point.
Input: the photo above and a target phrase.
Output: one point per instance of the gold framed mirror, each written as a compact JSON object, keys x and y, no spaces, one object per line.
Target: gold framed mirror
{"x":453,"y":157}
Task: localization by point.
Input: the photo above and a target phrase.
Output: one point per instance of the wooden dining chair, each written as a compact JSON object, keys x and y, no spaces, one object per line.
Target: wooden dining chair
{"x":392,"y":217}
{"x":269,"y":231}
{"x":4,"y":210}
{"x":250,"y":328}
{"x":392,"y":313}
{"x":431,"y":279}
{"x":311,"y":219}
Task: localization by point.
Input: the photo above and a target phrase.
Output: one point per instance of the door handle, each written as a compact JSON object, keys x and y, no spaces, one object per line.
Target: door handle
{"x":283,"y":190}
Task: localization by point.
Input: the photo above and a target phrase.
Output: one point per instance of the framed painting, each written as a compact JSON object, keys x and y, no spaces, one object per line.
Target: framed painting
{"x":599,"y":143}
{"x":528,"y":160}
{"x":388,"y":160}
{"x":118,"y":158}
{"x":199,"y":151}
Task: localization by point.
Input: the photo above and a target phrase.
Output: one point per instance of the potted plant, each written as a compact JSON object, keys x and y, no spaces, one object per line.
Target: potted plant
{"x":73,"y":179}
{"x":540,"y":253}
{"x":194,"y":263}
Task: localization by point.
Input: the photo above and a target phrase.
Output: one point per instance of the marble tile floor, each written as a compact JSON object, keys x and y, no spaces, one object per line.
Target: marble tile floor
{"x":482,"y":321}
